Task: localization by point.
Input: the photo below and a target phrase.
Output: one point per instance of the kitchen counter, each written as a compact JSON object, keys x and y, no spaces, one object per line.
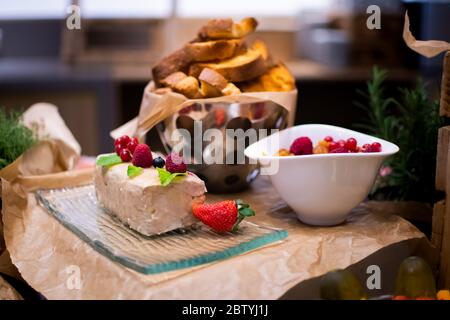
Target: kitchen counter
{"x":40,"y":69}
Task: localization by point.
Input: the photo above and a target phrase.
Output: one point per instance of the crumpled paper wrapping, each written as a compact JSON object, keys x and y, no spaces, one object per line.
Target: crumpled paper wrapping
{"x":56,"y":151}
{"x":155,"y":108}
{"x":429,"y":48}
{"x":46,"y":253}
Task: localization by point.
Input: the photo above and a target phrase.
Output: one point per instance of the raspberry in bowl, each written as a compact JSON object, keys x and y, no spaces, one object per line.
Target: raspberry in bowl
{"x":324,"y":184}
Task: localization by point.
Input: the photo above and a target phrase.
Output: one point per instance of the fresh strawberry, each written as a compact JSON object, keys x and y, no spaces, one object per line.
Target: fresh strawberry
{"x":223,"y":216}
{"x":142,"y":156}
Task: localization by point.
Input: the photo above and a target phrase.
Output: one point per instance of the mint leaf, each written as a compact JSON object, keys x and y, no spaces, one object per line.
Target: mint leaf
{"x":165,"y":177}
{"x":133,"y":171}
{"x":108,"y":160}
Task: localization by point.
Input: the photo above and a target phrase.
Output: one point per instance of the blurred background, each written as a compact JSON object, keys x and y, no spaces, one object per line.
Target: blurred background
{"x":96,"y":75}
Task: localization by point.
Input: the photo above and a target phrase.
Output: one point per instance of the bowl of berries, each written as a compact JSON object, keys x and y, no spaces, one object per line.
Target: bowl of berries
{"x":321,"y":171}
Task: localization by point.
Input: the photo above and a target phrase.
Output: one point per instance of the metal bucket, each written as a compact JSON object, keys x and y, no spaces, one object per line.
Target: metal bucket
{"x":199,"y":117}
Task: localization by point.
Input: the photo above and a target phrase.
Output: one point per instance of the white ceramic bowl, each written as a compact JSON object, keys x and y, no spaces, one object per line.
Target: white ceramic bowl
{"x":322,"y":189}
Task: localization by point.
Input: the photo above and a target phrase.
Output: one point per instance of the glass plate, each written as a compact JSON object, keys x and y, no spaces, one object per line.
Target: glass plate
{"x":78,"y":209}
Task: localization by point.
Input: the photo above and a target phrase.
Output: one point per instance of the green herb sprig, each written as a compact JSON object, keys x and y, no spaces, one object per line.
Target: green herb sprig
{"x":15,"y":138}
{"x":411,"y":120}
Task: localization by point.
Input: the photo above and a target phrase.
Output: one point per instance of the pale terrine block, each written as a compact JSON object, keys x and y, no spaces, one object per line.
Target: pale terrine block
{"x":143,"y":204}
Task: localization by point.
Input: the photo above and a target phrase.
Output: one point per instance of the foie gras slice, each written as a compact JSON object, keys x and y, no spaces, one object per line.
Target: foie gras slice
{"x":143,"y":203}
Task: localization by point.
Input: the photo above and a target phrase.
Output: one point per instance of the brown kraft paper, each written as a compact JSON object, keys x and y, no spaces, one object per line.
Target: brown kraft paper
{"x":44,"y":251}
{"x":56,"y":151}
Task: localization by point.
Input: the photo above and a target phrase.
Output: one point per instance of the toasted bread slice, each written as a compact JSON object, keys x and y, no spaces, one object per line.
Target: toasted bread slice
{"x":231,"y":89}
{"x":181,"y":83}
{"x":209,"y":91}
{"x":177,"y":61}
{"x":213,"y":78}
{"x":215,"y":50}
{"x":261,"y":47}
{"x":189,"y":87}
{"x":242,"y":67}
{"x":196,"y":52}
{"x":172,"y":79}
{"x":227,"y":29}
{"x":277,"y":78}
{"x":213,"y":84}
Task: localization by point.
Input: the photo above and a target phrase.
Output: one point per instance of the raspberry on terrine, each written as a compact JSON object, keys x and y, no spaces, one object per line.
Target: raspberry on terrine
{"x":143,"y":203}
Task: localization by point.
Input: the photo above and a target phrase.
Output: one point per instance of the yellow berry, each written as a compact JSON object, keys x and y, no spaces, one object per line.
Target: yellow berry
{"x":320,"y":150}
{"x":443,"y":295}
{"x":283,"y":153}
{"x":323,"y":143}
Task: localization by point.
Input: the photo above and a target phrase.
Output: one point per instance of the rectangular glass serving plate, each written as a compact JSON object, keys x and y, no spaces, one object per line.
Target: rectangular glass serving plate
{"x":78,"y":210}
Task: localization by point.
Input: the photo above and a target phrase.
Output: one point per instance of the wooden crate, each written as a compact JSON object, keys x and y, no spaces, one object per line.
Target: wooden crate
{"x":445,"y":88}
{"x":441,"y":216}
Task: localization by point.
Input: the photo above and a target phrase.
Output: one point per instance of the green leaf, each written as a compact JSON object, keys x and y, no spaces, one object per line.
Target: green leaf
{"x":165,"y":177}
{"x":133,"y":171}
{"x":244,"y":211}
{"x":247,"y":212}
{"x":108,"y":160}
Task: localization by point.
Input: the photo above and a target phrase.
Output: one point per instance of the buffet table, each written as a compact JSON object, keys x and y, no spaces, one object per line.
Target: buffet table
{"x":50,"y":257}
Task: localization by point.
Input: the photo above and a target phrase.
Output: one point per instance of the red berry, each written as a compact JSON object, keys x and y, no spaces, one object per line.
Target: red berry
{"x":142,"y":156}
{"x":339,"y":150}
{"x":125,"y":155}
{"x":332,"y":145}
{"x":122,"y":141}
{"x":328,"y":139}
{"x":365,"y":148}
{"x":341,"y":143}
{"x":174,"y":163}
{"x":131,"y":146}
{"x":301,"y":146}
{"x":376,"y":147}
{"x":351,"y":144}
{"x":118,"y":148}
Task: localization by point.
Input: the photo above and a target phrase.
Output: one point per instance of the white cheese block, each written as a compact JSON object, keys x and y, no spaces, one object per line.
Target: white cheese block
{"x":143,"y":203}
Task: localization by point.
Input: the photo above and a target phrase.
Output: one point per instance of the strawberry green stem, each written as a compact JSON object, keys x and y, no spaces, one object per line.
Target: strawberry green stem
{"x":244,"y":211}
